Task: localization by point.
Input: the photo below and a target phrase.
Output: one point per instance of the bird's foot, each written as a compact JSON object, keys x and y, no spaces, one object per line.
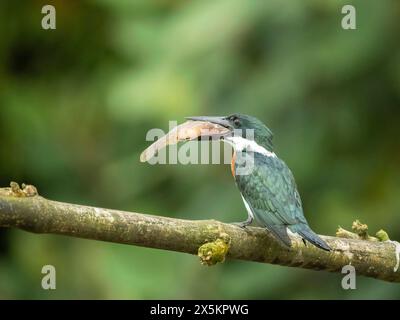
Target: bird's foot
{"x":243,"y":224}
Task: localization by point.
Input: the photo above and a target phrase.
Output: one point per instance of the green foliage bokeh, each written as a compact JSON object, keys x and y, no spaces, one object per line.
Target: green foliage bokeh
{"x":76,"y":103}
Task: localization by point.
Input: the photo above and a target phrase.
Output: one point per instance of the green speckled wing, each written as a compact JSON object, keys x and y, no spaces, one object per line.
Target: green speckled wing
{"x":271,"y":192}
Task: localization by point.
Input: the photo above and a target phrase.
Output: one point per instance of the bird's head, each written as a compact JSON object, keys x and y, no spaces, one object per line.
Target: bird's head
{"x":246,"y":126}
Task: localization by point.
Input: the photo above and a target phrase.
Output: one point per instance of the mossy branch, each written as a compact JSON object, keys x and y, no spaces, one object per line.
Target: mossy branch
{"x":211,"y":240}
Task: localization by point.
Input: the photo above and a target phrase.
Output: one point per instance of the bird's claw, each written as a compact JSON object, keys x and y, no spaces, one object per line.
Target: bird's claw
{"x":239,"y":224}
{"x":242,"y":224}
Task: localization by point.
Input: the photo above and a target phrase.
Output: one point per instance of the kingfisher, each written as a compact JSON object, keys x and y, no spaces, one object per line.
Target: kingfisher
{"x":265,"y":182}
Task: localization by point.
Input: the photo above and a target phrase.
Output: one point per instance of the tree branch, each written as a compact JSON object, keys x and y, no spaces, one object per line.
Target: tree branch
{"x":210,"y":239}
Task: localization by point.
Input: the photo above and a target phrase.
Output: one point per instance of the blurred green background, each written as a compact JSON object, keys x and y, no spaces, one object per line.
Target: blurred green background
{"x":77,"y":102}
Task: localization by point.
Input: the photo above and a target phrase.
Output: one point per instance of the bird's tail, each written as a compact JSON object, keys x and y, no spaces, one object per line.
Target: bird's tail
{"x":280,"y":232}
{"x":305,"y":231}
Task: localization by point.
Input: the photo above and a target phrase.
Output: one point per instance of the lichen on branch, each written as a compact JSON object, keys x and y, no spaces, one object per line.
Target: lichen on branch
{"x":211,"y":240}
{"x":361,"y":232}
{"x":213,"y":252}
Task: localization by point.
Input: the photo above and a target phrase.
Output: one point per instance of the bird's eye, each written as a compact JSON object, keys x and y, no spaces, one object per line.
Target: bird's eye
{"x":235,"y":120}
{"x":232,"y":118}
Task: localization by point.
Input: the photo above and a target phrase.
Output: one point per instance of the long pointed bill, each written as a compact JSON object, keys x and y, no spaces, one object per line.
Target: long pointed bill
{"x":217,"y":120}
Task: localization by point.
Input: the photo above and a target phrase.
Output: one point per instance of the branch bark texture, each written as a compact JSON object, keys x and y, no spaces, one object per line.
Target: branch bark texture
{"x":211,"y":240}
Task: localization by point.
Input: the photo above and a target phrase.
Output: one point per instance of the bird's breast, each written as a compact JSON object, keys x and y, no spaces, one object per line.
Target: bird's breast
{"x":233,"y":163}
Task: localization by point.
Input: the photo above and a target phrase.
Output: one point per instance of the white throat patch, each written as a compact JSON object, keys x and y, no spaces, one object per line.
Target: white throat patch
{"x":240,"y":143}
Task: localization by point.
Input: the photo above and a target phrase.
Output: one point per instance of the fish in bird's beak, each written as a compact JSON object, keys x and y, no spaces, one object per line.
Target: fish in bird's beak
{"x":195,"y":128}
{"x":221,"y":121}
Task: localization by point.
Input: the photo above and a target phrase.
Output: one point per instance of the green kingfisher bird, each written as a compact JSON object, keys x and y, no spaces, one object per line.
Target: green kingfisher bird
{"x":265,"y":182}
